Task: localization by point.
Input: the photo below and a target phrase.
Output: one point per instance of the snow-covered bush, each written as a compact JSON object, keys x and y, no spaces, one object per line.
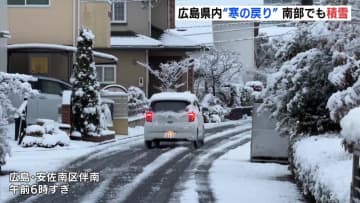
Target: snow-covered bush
{"x":4,"y":146}
{"x":137,"y":101}
{"x":350,"y":126}
{"x":105,"y":117}
{"x":346,"y":77}
{"x":85,"y":94}
{"x":265,"y":59}
{"x":298,"y":94}
{"x":10,"y":84}
{"x":46,"y":135}
{"x":246,"y":96}
{"x":213,"y":109}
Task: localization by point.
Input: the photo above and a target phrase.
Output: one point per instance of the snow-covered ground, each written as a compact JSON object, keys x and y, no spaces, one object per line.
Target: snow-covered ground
{"x":234,"y":177}
{"x":324,"y":167}
{"x":36,"y":159}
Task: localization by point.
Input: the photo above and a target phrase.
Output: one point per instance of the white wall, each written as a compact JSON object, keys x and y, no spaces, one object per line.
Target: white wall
{"x":3,"y":41}
{"x":238,"y":37}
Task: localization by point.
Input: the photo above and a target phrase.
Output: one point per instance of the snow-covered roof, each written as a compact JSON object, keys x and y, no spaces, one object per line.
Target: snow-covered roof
{"x":277,"y":31}
{"x":134,"y":41}
{"x":201,"y":31}
{"x":171,"y":39}
{"x":105,"y":55}
{"x":42,"y":46}
{"x":58,"y":47}
{"x":167,"y":40}
{"x":184,"y":96}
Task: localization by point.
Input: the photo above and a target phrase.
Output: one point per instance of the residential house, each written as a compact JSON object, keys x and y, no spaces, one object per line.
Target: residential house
{"x":44,"y":34}
{"x":4,"y":34}
{"x":141,"y":35}
{"x":135,"y":32}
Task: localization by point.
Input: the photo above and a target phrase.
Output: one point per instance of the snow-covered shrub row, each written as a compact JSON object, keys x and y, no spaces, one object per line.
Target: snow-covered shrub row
{"x":10,"y":84}
{"x":350,"y":126}
{"x":213,"y":109}
{"x":137,"y":101}
{"x":46,"y":135}
{"x":322,"y":168}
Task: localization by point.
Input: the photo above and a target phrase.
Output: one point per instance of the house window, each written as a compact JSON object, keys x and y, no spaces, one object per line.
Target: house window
{"x":106,"y":73}
{"x":29,"y":2}
{"x":39,"y":65}
{"x":118,"y":11}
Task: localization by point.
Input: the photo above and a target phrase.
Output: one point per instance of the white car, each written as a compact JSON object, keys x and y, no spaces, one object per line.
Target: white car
{"x":173,"y":116}
{"x":46,"y":104}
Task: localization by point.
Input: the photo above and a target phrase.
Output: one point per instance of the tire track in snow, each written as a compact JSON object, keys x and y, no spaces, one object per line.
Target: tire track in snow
{"x":164,"y":178}
{"x":114,"y":159}
{"x":203,"y":187}
{"x":195,"y":181}
{"x":124,"y":192}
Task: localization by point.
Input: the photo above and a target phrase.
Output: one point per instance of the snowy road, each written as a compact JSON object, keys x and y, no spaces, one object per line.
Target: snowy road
{"x":135,"y":174}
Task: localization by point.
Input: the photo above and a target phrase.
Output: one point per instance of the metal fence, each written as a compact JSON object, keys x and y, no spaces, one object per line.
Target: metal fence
{"x":20,"y":122}
{"x":136,"y":109}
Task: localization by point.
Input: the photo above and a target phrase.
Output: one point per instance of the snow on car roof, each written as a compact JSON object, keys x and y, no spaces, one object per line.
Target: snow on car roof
{"x":185,"y":96}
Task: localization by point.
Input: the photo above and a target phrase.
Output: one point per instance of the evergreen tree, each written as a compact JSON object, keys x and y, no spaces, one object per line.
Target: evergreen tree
{"x":85,"y":98}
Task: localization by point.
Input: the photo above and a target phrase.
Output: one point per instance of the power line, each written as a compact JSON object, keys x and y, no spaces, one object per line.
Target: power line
{"x":253,"y":27}
{"x":269,"y":36}
{"x":257,"y":37}
{"x":232,"y":30}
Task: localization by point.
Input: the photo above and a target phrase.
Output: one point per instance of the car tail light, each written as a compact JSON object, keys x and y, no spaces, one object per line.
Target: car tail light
{"x":149,"y":116}
{"x":191,"y":116}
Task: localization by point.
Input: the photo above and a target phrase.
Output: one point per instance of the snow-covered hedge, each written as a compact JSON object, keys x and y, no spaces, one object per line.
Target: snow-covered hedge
{"x":213,"y":109}
{"x":46,"y":135}
{"x":137,"y":101}
{"x":4,"y":146}
{"x":350,"y":126}
{"x":322,"y":168}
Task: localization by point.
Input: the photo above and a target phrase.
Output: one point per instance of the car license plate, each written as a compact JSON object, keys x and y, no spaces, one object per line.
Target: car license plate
{"x":170,"y":134}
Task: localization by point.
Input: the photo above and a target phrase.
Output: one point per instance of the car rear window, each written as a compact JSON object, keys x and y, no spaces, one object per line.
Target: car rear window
{"x":174,"y":106}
